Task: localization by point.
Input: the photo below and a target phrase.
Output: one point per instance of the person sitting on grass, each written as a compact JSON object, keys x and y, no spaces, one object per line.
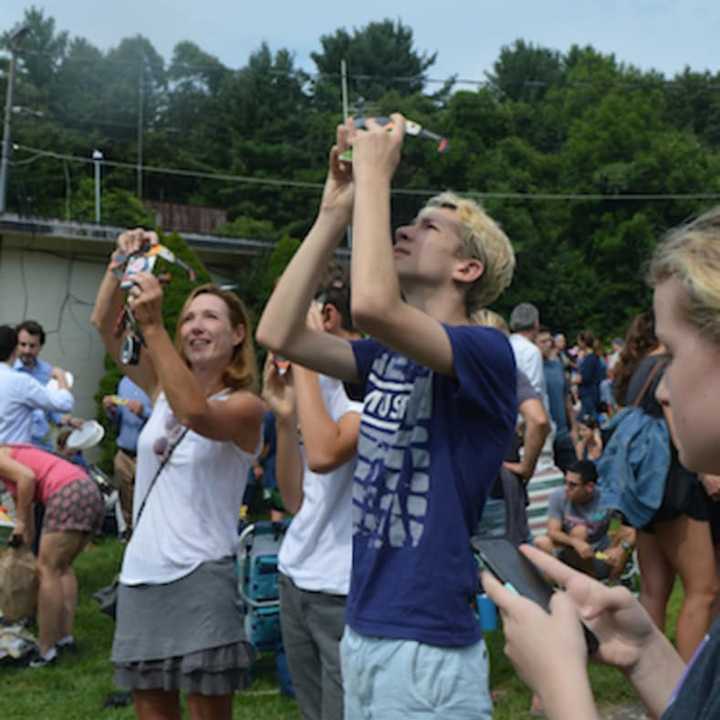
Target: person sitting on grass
{"x":589,"y":445}
{"x":578,"y":525}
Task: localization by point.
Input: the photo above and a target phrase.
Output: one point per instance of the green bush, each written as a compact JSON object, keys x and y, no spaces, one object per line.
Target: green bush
{"x":119,"y":207}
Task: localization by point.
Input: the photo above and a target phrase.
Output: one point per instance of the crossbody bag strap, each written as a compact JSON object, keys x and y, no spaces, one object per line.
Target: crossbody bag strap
{"x":157,"y":475}
{"x":659,"y":365}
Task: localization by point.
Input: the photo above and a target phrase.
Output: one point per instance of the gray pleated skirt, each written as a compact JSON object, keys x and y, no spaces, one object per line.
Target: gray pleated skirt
{"x":185,"y":635}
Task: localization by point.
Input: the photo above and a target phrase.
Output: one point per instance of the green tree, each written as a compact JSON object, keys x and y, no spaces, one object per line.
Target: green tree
{"x":256,"y":285}
{"x":42,"y":50}
{"x":525,"y":72}
{"x":547,"y":123}
{"x":79,"y":87}
{"x":266,"y":109}
{"x":693,"y":104}
{"x":194,"y":130}
{"x":380,"y":56}
{"x":119,"y":207}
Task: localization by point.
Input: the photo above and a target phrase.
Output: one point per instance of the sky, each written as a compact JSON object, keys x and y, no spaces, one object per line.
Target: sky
{"x":666,"y":35}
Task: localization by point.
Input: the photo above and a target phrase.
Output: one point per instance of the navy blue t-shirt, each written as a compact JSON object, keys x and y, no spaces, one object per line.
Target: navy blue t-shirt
{"x":430,"y":447}
{"x":698,"y":696}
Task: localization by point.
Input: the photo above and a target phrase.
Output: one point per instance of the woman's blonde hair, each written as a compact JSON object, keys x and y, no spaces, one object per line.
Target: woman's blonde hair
{"x":691,"y":253}
{"x":489,"y":318}
{"x":241,"y":372}
{"x":485,"y":241}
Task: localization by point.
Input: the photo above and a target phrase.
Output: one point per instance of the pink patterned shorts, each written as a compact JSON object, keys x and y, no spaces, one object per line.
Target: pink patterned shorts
{"x":78,"y":506}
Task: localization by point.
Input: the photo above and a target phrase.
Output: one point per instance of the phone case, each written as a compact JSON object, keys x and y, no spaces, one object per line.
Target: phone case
{"x":513,"y":569}
{"x":518,"y":574}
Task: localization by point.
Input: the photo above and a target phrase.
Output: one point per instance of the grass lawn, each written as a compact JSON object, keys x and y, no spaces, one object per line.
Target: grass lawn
{"x":76,"y":688}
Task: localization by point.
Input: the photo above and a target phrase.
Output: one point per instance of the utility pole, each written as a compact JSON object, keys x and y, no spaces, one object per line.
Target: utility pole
{"x":141,"y":103}
{"x":6,"y":144}
{"x":97,"y":157}
{"x":68,"y":194}
{"x":346,"y":112}
{"x":344,"y":87}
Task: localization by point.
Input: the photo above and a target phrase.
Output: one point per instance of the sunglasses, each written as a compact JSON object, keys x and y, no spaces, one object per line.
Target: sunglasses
{"x":173,"y":431}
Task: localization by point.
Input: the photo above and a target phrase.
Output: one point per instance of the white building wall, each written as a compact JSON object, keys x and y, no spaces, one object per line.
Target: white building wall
{"x":57,"y":290}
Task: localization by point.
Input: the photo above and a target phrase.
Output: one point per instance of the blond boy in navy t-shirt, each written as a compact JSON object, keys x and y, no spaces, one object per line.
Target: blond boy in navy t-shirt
{"x":439,"y":412}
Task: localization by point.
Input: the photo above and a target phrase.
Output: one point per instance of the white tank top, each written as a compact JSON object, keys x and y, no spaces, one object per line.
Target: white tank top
{"x":191,"y":515}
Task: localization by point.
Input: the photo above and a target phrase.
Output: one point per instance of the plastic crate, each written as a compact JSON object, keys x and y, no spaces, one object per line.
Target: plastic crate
{"x":262,"y":626}
{"x":258,"y":562}
{"x":262,"y":578}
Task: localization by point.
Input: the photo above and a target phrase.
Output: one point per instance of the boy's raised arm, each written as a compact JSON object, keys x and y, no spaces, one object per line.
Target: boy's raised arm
{"x":378,"y":307}
{"x":282,"y":327}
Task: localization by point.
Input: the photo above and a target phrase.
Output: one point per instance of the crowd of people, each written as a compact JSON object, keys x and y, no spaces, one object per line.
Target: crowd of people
{"x":617,"y":446}
{"x":672,"y":408}
{"x":57,"y":507}
{"x":405,"y":418}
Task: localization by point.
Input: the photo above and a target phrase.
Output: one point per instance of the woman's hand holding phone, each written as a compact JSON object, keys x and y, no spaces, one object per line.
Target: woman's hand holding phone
{"x":548,"y":649}
{"x":539,"y":643}
{"x":617,"y":619}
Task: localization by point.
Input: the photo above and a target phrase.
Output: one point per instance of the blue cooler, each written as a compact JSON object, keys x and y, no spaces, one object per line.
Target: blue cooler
{"x":262,"y":627}
{"x":257,"y":565}
{"x":486,"y":613}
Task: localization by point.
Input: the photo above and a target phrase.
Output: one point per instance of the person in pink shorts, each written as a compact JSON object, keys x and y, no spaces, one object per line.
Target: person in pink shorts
{"x":73,"y":510}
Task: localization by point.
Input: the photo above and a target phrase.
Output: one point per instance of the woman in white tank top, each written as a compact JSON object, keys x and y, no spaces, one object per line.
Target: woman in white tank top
{"x":179,"y":624}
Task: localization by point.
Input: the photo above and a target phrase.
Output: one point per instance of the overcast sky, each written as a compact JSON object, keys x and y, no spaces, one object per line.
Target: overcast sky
{"x":467,"y":34}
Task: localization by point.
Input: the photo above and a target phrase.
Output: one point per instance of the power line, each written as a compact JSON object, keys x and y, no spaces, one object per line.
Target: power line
{"x":281,"y":182}
{"x":78,"y":123}
{"x":27,"y":161}
{"x":75,"y":122}
{"x":178,"y":171}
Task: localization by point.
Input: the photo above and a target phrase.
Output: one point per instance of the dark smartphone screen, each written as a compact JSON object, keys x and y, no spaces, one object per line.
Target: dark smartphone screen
{"x":519,"y":575}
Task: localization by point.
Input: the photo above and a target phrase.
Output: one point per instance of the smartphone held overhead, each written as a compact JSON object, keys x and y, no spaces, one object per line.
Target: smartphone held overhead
{"x":412,"y":129}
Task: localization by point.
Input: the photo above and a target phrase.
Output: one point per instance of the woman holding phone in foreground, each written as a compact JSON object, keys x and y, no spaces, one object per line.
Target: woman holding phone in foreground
{"x":549,"y":650}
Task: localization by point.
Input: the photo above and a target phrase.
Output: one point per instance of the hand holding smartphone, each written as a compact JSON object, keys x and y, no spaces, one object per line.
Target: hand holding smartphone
{"x":519,"y":575}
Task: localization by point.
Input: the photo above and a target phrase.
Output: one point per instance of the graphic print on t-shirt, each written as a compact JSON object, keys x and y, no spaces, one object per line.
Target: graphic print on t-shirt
{"x":392,"y":478}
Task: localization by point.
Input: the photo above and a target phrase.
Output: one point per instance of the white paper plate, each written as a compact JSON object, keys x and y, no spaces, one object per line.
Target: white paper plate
{"x":69,"y":379}
{"x":87,"y":436}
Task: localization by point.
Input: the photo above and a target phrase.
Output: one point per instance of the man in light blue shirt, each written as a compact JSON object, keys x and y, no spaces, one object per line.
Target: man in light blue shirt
{"x":21,"y":394}
{"x":31,"y":339}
